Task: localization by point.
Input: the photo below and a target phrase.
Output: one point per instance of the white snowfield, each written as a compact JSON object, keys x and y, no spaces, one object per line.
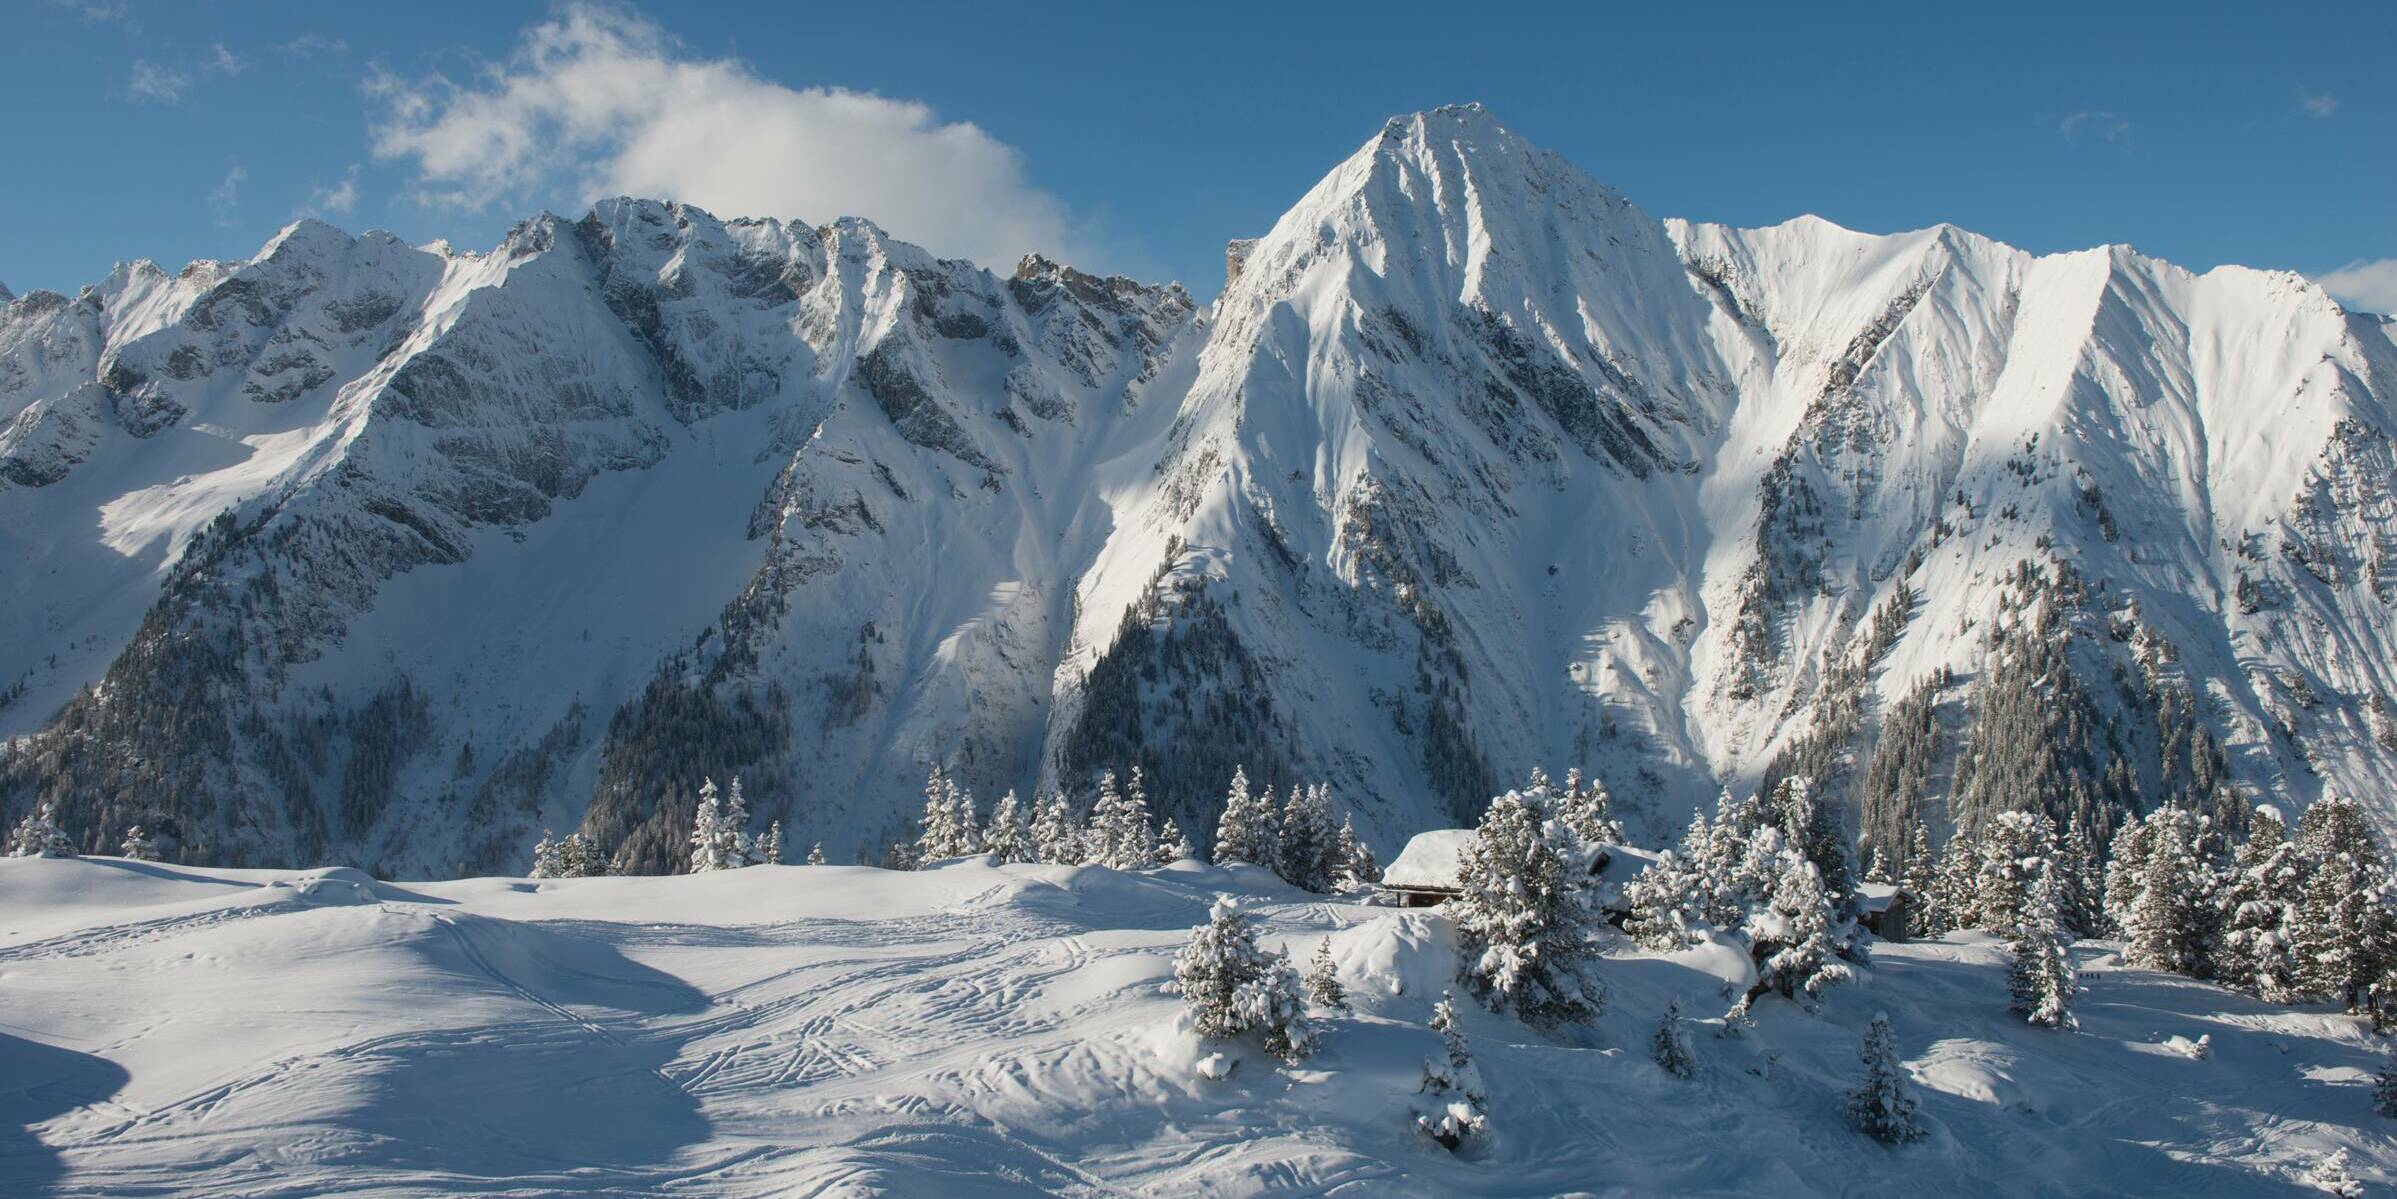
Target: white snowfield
{"x":973,"y":1030}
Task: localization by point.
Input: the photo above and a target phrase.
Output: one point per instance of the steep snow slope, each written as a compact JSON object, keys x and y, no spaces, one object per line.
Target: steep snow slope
{"x":1002,"y":1031}
{"x":1473,"y":466}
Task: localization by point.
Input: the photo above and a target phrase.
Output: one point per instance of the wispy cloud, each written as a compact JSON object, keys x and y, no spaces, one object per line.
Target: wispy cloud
{"x":108,"y":12}
{"x":226,"y":199}
{"x":599,"y":101}
{"x":2318,"y":104}
{"x":2092,"y":122}
{"x":338,"y":200}
{"x":154,"y":84}
{"x":2368,"y":286}
{"x":312,"y":45}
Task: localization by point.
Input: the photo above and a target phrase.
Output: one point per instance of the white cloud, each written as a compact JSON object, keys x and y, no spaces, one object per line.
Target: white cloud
{"x":153,"y":83}
{"x":227,"y":196}
{"x":2368,"y":286}
{"x":309,"y":45}
{"x":110,"y":12}
{"x":223,"y":61}
{"x":338,"y":200}
{"x":2321,"y":105}
{"x":2095,"y":123}
{"x":603,"y":102}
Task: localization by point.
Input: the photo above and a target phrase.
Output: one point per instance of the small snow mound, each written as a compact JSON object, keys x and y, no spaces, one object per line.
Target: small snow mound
{"x":1215,"y":1067}
{"x":340,"y":886}
{"x":1411,"y":956}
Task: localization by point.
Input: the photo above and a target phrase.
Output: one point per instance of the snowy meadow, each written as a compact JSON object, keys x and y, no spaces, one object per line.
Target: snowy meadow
{"x":984,"y":1026}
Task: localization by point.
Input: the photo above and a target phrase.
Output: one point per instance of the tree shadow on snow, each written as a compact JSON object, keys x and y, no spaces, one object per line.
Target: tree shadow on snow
{"x":38,"y":1082}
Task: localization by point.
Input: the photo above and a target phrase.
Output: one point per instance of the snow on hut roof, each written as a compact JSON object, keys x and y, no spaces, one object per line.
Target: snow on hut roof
{"x":1430,"y":860}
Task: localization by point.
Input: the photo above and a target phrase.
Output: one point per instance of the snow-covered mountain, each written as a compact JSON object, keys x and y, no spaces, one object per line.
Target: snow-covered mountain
{"x":392,"y":555}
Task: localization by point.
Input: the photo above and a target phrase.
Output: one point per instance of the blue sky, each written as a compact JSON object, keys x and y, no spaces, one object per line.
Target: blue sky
{"x":1139,"y":138}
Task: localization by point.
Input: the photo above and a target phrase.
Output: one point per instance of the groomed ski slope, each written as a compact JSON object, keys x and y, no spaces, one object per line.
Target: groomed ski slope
{"x":972,"y":1030}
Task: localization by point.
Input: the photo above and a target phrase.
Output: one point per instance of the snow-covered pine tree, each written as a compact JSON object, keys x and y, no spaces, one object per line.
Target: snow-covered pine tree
{"x":1876,"y":866}
{"x":900,"y":854}
{"x":1815,"y":829}
{"x":1120,"y":834}
{"x":2384,"y":1088}
{"x":1524,"y":918}
{"x":1590,"y":810}
{"x":1173,"y":844}
{"x":769,"y":847}
{"x":1323,"y":979}
{"x":1008,"y":836}
{"x":1232,"y":987}
{"x":1791,"y":936}
{"x":1689,"y":888}
{"x":38,"y":835}
{"x":2126,"y":869}
{"x":1666,"y":900}
{"x":707,"y":832}
{"x":579,"y":857}
{"x":1670,"y":1045}
{"x":2169,"y":924}
{"x":139,"y":845}
{"x":2080,"y":884}
{"x":1357,"y":866}
{"x":1056,"y":835}
{"x":2333,"y":1176}
{"x":2259,"y":914}
{"x":1922,"y":863}
{"x":2014,"y":849}
{"x":1309,"y":843}
{"x":2042,"y":981}
{"x":1454,"y":1108}
{"x":1952,"y":901}
{"x":1883,"y":1108}
{"x":734,"y":846}
{"x":2345,"y":939}
{"x":815,"y":854}
{"x":545,"y":857}
{"x":943,"y":833}
{"x":1245,"y":832}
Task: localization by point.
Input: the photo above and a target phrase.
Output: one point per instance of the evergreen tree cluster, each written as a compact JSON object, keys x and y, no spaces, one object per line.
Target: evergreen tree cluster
{"x":720,"y":837}
{"x":573,"y":856}
{"x":2308,"y":917}
{"x":1526,"y":920}
{"x":1294,"y":838}
{"x":1773,"y":872}
{"x":1232,"y":987}
{"x":38,"y":835}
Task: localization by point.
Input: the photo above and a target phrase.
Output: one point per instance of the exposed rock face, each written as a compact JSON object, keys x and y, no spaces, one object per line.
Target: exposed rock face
{"x":388,"y":555}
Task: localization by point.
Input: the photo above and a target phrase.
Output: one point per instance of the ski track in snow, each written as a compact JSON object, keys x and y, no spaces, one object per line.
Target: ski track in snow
{"x":974,"y":1030}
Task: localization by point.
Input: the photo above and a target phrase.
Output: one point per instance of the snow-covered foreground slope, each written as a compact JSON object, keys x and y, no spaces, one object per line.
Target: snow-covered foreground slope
{"x":393,"y":555}
{"x":972,"y":1030}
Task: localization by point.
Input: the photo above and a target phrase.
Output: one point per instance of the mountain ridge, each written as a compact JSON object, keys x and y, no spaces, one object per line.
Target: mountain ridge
{"x":1473,"y":465}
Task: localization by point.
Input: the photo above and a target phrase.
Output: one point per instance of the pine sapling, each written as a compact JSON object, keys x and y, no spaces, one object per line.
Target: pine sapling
{"x":139,"y":845}
{"x":1323,"y":979}
{"x":1670,"y":1046}
{"x":1453,"y":1109}
{"x":1883,"y":1108}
